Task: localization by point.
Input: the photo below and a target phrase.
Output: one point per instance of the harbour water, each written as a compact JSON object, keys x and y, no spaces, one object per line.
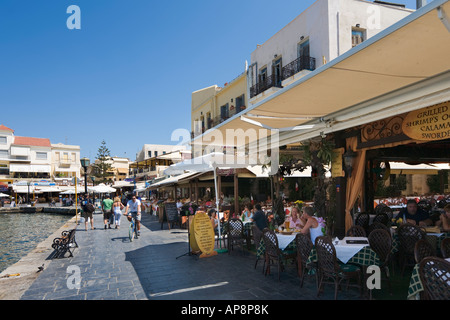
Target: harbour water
{"x":21,"y":232}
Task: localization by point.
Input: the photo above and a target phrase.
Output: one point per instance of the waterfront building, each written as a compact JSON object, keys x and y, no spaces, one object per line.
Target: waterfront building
{"x":65,"y":163}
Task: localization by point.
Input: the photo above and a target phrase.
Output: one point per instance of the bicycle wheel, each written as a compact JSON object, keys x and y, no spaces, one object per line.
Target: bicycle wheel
{"x":135,"y":230}
{"x":131,"y":230}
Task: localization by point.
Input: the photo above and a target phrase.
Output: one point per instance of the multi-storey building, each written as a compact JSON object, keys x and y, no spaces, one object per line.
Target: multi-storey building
{"x":213,"y":105}
{"x":29,"y":158}
{"x":65,"y":162}
{"x":324,"y":31}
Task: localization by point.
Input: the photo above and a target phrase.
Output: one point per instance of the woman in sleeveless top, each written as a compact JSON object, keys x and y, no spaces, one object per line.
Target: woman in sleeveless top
{"x":311,"y":224}
{"x":117,"y":210}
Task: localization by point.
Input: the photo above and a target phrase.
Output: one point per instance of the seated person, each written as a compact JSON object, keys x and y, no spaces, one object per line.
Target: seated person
{"x":246,"y":214}
{"x":311,"y":225}
{"x":415,"y":215}
{"x":294,"y":220}
{"x":444,"y":219}
{"x":259,"y":218}
{"x":213,"y":217}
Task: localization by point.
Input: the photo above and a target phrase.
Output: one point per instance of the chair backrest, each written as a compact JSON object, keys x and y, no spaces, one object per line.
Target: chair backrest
{"x":408,"y":235}
{"x":388,"y":211}
{"x":380,"y":241}
{"x":356,"y":231}
{"x":378,"y":225}
{"x":257,"y":235}
{"x":326,"y":255}
{"x":271,"y":243}
{"x":382,"y":218}
{"x":304,"y":246}
{"x":445,"y":248}
{"x":235,"y":228}
{"x":423,"y":249}
{"x":362,"y":219}
{"x":434,"y":273}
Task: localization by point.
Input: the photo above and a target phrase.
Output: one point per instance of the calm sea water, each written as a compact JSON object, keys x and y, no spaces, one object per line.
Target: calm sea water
{"x":21,"y":232}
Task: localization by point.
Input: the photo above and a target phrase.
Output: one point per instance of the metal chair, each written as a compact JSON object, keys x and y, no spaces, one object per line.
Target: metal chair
{"x":329,"y":268}
{"x":378,"y":225}
{"x":304,"y":247}
{"x":382,"y":218}
{"x":434,"y":273}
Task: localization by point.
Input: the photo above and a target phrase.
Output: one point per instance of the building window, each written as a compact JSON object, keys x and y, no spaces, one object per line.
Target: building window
{"x":224,"y":112}
{"x":149,"y":154}
{"x":240,"y":103}
{"x":3,"y":153}
{"x":156,"y":153}
{"x":57,"y":155}
{"x":3,"y":140}
{"x":41,"y":155}
{"x":358,"y":36}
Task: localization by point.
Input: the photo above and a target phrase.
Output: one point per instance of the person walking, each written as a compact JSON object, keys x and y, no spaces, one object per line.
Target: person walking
{"x":133,"y":209}
{"x":117,"y":211}
{"x":107,"y":211}
{"x":88,"y":210}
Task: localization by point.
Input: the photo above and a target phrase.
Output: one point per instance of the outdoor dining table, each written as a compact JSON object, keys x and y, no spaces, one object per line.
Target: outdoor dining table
{"x":360,"y":254}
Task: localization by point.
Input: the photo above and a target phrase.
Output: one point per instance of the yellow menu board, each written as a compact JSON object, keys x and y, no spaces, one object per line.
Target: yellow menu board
{"x":203,"y":235}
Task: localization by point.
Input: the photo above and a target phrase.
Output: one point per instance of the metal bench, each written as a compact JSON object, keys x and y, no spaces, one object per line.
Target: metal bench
{"x":65,"y":243}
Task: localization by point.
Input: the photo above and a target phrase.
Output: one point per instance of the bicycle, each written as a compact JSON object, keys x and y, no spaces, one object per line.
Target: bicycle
{"x":132,"y":230}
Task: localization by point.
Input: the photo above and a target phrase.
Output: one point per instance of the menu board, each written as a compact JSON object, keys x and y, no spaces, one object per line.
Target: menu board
{"x":171,"y":212}
{"x":203,"y":235}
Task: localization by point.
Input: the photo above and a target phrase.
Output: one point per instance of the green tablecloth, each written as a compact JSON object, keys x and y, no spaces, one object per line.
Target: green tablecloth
{"x":415,"y":285}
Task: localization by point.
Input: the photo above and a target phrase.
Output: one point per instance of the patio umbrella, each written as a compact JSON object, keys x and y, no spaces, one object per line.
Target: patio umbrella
{"x":206,"y":163}
{"x":102,"y":188}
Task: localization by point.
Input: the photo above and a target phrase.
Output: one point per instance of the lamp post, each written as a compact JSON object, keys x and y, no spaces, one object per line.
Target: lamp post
{"x":349,"y":159}
{"x":85,"y":164}
{"x":93,"y":192}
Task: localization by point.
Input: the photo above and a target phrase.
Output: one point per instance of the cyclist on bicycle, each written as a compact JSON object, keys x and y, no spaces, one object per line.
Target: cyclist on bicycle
{"x":133,"y":209}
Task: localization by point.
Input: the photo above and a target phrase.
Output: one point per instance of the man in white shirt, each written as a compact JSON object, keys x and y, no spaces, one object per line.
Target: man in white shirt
{"x":133,"y":209}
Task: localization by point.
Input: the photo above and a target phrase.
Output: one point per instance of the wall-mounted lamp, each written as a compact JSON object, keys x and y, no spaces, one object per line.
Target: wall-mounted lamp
{"x":358,"y":25}
{"x":349,"y":160}
{"x":302,"y":37}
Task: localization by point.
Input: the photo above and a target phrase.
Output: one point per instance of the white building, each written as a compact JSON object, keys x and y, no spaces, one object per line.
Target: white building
{"x":65,"y":162}
{"x":324,"y":31}
{"x":155,"y":150}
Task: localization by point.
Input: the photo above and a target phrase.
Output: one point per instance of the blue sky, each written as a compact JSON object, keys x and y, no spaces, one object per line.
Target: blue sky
{"x":127,"y":76}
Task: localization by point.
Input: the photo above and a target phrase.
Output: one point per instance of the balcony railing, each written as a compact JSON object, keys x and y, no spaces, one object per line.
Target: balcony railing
{"x":299,"y":64}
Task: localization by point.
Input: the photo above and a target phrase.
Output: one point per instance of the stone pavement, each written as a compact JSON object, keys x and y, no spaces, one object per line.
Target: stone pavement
{"x":113,"y":268}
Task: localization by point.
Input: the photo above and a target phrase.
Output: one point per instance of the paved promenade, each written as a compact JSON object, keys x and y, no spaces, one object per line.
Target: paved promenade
{"x":111,"y":267}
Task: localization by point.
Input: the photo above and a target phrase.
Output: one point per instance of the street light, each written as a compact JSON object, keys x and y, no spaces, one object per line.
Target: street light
{"x":85,"y":164}
{"x":349,"y":161}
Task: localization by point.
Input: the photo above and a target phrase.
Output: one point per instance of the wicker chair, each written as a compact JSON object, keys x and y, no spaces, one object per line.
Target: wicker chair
{"x":273,"y":253}
{"x":380,"y":241}
{"x":378,"y":225}
{"x":423,"y":249}
{"x":363,"y":220}
{"x":445,"y":248}
{"x":235,"y":234}
{"x":329,"y":268}
{"x":434,"y":273}
{"x":356,"y":231}
{"x":408,"y":235}
{"x":389,"y":212}
{"x":304,"y":247}
{"x":382,"y":218}
{"x":257,"y":236}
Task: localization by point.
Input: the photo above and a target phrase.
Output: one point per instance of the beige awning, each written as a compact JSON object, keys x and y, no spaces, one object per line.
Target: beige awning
{"x":421,"y":168}
{"x":412,"y":50}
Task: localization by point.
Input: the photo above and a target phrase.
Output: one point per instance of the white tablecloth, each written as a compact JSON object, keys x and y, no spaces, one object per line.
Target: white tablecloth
{"x":345,"y":251}
{"x":284,"y":240}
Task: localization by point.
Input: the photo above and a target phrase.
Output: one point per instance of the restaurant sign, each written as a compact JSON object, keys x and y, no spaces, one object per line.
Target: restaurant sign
{"x":202,"y":235}
{"x":428,"y":124}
